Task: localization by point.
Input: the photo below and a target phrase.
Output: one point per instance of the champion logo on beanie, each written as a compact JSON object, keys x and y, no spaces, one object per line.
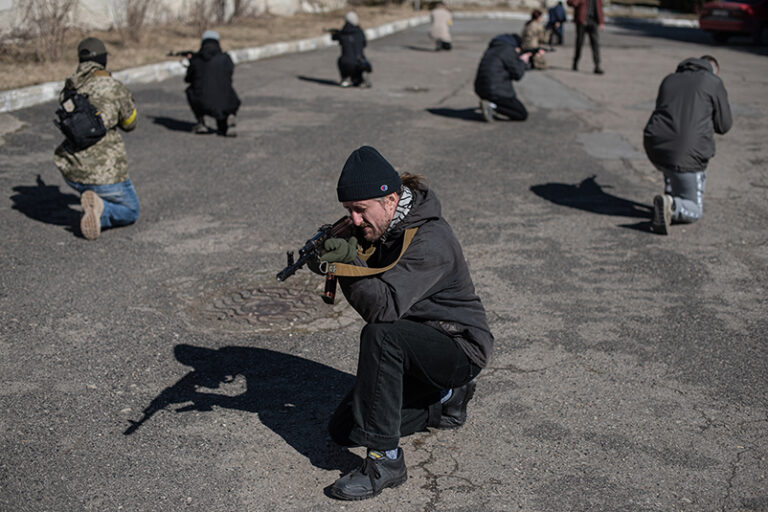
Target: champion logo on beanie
{"x":367,"y":175}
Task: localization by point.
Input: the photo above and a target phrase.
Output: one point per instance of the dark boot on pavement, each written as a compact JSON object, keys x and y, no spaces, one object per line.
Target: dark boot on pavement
{"x":454,"y":412}
{"x":375,"y":474}
{"x":222,"y":128}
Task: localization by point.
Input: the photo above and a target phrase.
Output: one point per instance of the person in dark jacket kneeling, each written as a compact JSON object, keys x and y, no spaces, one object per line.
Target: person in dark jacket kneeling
{"x":426,"y":336}
{"x":501,"y":63}
{"x":692,"y":105}
{"x":210,"y":92}
{"x":353,"y":66}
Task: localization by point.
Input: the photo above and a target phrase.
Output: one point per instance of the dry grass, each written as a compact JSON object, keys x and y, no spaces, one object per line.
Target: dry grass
{"x":18,"y":67}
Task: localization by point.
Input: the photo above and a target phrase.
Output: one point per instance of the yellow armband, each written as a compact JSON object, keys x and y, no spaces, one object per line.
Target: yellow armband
{"x":125,"y":123}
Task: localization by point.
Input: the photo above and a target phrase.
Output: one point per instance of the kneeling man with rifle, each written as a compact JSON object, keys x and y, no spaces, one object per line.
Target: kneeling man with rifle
{"x":426,"y":338}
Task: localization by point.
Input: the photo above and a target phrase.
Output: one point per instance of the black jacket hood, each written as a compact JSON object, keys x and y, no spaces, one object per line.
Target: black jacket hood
{"x":209,"y":49}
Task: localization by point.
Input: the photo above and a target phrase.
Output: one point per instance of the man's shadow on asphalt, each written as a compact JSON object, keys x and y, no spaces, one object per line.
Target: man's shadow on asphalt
{"x":591,"y":197}
{"x":46,"y":203}
{"x":292,"y":396}
{"x":419,"y":48}
{"x":467,"y":114}
{"x":172,"y":124}
{"x":321,"y":81}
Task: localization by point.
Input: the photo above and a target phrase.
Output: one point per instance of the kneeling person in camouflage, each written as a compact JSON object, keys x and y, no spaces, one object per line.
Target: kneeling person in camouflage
{"x":100,"y":171}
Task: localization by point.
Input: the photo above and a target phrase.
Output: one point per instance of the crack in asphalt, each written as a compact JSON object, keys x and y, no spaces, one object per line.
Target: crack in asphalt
{"x":432,"y":478}
{"x":431,"y":483}
{"x":455,"y":91}
{"x":731,"y":478}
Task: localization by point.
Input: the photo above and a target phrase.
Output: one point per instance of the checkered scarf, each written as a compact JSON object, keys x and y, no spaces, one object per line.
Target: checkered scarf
{"x":402,"y":209}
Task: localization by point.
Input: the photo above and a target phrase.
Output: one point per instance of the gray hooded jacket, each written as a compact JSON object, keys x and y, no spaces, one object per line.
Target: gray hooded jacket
{"x":430,"y":283}
{"x":691,"y":107}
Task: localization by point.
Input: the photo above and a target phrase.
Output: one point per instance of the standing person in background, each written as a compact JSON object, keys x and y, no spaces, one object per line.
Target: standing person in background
{"x":691,"y":107}
{"x":99,"y":171}
{"x":534,"y":36}
{"x":556,"y":23}
{"x":440,"y":30}
{"x":210,"y":91}
{"x":500,"y":65}
{"x":353,"y":66}
{"x":589,"y":19}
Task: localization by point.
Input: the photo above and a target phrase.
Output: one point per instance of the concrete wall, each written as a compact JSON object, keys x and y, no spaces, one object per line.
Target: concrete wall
{"x":104,"y":14}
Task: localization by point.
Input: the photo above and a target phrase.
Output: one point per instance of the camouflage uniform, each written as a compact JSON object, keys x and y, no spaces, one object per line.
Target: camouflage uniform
{"x":534,"y":35}
{"x":105,"y":162}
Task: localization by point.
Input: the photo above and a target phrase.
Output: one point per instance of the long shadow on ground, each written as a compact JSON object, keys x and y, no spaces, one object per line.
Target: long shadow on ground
{"x":46,"y":203}
{"x":321,"y":81}
{"x":419,"y":48}
{"x":467,"y":114}
{"x":176,"y":125}
{"x":293,"y":396}
{"x":591,"y":197}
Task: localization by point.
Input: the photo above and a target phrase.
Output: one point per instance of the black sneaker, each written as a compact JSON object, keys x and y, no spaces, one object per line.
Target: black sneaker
{"x":454,"y":412}
{"x":599,"y":70}
{"x":376,"y":474}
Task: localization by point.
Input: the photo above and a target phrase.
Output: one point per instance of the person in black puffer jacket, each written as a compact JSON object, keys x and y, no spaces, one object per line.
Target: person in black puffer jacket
{"x":210,"y":92}
{"x":353,"y":65}
{"x":501,"y":63}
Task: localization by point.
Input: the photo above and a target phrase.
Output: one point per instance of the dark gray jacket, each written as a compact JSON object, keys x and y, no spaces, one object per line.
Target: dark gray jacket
{"x":430,"y":283}
{"x":691,"y":107}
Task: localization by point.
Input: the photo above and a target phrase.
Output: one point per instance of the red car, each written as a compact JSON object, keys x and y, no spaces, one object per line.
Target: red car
{"x":741,"y":17}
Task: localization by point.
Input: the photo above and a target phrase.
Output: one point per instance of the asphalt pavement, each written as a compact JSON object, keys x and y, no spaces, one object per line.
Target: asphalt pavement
{"x":163,"y":368}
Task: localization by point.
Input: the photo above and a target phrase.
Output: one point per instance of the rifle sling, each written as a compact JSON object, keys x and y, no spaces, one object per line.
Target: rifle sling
{"x":346,"y":270}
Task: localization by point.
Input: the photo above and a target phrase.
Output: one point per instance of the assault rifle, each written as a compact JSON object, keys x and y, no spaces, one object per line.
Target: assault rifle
{"x":313,"y":248}
{"x":534,"y":51}
{"x":183,"y":53}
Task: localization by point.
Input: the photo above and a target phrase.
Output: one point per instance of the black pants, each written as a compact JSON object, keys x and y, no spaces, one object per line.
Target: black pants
{"x":512,"y":108}
{"x":401,"y":370}
{"x":199,"y":112}
{"x":354,"y":69}
{"x":594,"y":42}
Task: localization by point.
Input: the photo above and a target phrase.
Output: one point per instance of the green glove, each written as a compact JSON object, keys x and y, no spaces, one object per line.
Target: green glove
{"x":338,"y":250}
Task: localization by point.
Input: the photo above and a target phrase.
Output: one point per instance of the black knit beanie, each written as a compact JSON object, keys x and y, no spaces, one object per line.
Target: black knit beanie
{"x":367,"y":175}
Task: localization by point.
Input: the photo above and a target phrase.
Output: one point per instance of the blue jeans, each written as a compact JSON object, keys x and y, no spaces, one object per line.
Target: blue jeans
{"x":687,"y":191}
{"x":121,"y":205}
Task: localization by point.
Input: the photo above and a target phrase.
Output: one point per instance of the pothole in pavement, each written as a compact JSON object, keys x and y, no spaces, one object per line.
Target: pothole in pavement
{"x":264,"y":306}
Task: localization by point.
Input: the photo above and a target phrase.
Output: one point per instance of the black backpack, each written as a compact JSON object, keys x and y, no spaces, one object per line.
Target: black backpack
{"x":79,"y":121}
